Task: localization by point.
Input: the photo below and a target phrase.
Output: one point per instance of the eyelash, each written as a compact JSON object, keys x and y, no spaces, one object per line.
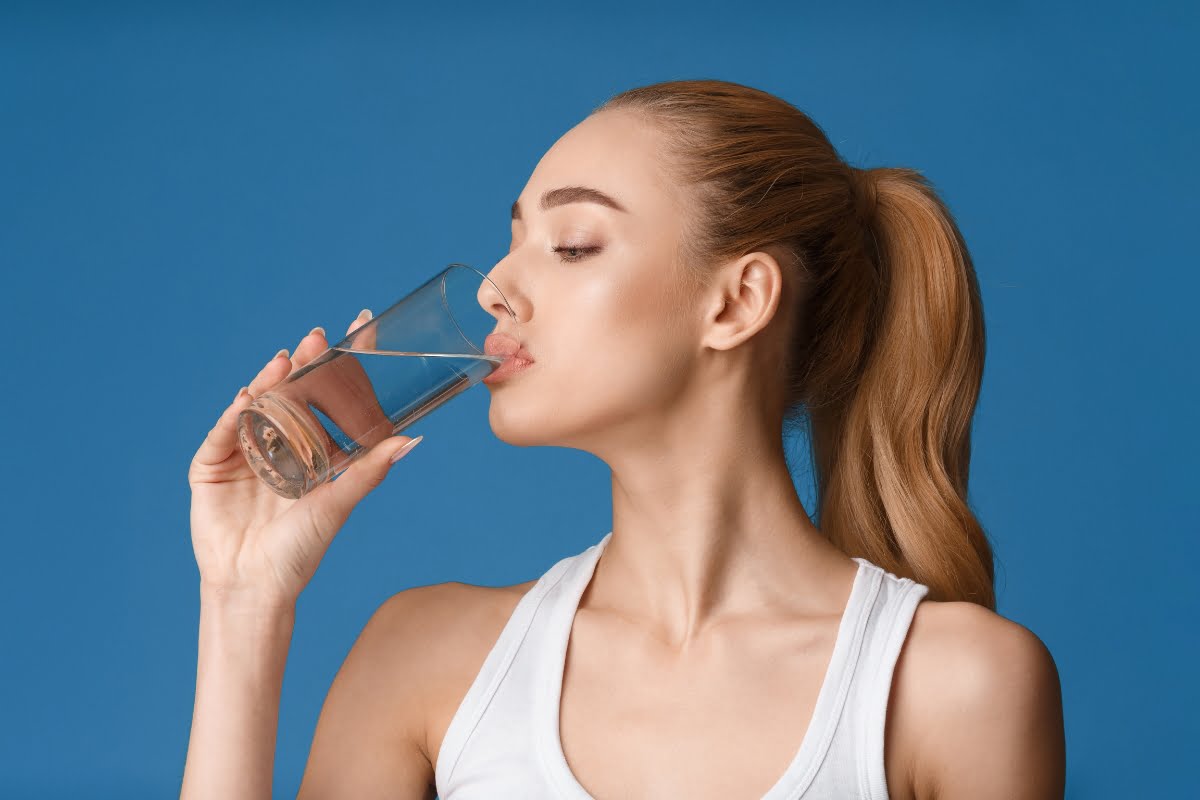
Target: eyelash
{"x":562,"y":248}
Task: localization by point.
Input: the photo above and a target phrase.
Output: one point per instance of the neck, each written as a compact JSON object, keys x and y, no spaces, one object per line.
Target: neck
{"x":708,"y":528}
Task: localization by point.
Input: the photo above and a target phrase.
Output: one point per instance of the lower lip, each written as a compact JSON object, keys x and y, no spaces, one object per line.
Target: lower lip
{"x":510,"y":367}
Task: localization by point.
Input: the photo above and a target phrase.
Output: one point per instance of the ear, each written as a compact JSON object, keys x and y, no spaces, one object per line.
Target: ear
{"x":743,"y":300}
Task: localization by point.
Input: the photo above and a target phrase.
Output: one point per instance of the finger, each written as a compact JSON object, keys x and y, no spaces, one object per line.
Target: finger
{"x":332,"y":502}
{"x":272,"y":373}
{"x":363,"y":317}
{"x":346,"y":396}
{"x":221,"y":440}
{"x":311,"y":346}
{"x":365,"y":338}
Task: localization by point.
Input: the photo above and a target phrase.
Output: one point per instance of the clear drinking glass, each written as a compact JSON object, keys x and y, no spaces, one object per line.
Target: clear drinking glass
{"x":385,"y":375}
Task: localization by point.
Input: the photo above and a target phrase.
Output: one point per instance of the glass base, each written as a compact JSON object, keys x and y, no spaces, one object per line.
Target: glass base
{"x":279,"y":447}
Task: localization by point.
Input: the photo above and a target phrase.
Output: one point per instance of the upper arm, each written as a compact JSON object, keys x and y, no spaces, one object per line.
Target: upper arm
{"x":993,"y":724}
{"x":370,"y":737}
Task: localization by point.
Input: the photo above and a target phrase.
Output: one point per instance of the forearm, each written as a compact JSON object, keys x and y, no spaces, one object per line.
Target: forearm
{"x":243,"y":647}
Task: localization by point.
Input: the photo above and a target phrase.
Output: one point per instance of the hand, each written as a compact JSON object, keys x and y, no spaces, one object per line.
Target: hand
{"x":251,"y":542}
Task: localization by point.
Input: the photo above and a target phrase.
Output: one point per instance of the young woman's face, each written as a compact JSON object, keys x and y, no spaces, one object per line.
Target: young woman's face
{"x":601,"y":301}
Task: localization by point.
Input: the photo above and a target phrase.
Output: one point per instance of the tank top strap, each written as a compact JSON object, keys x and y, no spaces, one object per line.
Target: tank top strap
{"x":494,"y":669}
{"x":891,"y":621}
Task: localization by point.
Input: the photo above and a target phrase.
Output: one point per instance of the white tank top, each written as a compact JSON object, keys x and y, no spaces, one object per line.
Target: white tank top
{"x":503,"y":741}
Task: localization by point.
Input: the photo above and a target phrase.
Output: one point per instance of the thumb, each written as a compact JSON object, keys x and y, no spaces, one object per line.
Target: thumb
{"x":338,"y":498}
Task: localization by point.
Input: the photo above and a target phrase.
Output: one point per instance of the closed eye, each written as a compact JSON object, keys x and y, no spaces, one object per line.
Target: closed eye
{"x":563,"y":250}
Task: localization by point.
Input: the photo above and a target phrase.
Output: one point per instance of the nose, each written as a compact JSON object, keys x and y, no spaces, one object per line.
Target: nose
{"x":493,"y":299}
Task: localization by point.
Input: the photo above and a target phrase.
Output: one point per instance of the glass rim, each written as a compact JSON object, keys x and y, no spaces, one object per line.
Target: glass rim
{"x":480,"y":349}
{"x":507,"y":305}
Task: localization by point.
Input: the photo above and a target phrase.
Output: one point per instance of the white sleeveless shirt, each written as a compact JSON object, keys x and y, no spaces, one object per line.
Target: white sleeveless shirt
{"x":503,"y":741}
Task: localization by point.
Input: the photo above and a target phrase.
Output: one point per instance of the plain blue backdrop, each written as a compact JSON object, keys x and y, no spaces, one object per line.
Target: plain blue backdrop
{"x":184,"y":190}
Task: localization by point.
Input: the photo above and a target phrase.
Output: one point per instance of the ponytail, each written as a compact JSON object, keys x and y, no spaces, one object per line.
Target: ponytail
{"x":893,"y":452}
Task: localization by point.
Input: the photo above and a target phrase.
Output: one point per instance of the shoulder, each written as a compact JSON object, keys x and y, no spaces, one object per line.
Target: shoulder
{"x":440,"y":613}
{"x":427,"y":630}
{"x":982,"y":702}
{"x":416,"y":648}
{"x":975,"y":646}
{"x":436,"y":637}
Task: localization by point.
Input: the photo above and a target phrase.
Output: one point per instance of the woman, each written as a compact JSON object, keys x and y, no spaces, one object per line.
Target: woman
{"x":727,"y":275}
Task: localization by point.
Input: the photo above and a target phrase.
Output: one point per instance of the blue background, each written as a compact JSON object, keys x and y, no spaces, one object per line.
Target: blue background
{"x":185,"y":190}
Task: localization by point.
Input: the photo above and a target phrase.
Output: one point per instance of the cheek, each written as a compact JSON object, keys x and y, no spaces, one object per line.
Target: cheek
{"x":623,"y":343}
{"x":609,"y":349}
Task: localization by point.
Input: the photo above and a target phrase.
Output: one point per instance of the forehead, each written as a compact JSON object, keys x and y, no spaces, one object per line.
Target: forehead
{"x":615,"y":152}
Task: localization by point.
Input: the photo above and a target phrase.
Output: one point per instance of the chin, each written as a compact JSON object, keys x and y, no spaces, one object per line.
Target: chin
{"x":518,"y":420}
{"x":517,"y":423}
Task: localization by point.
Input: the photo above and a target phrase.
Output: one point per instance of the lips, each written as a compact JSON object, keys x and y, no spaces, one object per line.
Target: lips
{"x":501,"y":344}
{"x":516,"y":358}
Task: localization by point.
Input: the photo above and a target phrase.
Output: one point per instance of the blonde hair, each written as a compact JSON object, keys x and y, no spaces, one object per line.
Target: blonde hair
{"x":885,"y":369}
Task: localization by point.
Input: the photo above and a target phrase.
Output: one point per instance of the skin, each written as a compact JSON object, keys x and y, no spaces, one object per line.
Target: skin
{"x":712,"y":614}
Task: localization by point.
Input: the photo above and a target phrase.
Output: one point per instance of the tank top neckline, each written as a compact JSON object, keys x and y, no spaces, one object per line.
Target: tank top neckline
{"x":831,"y":697}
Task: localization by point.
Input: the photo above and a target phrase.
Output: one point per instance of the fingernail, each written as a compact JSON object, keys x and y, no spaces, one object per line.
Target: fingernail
{"x":282,"y":352}
{"x":364,"y":314}
{"x":317,"y":329}
{"x":239,"y":394}
{"x":399,"y":454}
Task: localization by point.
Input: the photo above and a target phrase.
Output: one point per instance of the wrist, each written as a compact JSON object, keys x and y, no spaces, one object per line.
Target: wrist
{"x":246,"y":601}
{"x":248,"y":632}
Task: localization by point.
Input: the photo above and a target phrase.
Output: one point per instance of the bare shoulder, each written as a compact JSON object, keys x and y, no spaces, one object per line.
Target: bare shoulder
{"x":453,"y":625}
{"x":979,"y":700}
{"x":445,"y":616}
{"x":415,"y":657}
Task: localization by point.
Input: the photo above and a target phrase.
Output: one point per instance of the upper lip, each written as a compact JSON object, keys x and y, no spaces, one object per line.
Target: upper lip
{"x":503,"y":344}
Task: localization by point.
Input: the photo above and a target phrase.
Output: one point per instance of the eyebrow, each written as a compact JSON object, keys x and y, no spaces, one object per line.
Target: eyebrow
{"x":571,"y":194}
